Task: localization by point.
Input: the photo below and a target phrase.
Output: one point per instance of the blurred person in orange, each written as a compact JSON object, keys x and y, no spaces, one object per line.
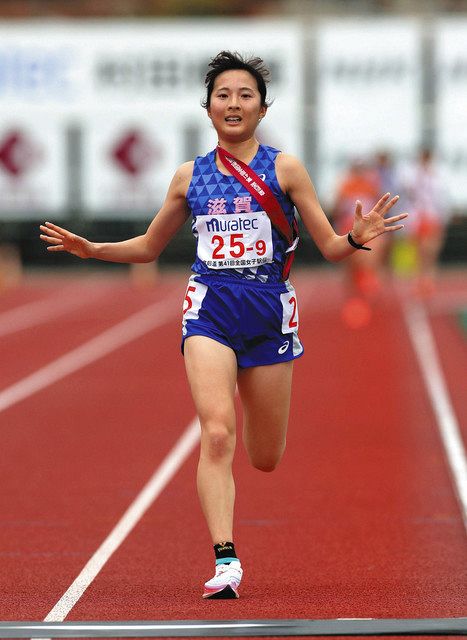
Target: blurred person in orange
{"x":360,"y":183}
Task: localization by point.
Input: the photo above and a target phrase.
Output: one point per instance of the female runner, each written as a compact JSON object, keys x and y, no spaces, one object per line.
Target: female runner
{"x":240,"y":315}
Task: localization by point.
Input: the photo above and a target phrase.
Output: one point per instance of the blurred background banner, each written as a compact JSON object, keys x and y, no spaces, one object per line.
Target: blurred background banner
{"x":451,"y":106}
{"x":96,"y":114}
{"x":124,"y":99}
{"x":128,"y":161}
{"x":33,"y":175}
{"x":368,"y":93}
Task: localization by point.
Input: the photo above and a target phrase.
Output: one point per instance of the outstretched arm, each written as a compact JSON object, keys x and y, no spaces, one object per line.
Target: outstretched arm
{"x":145,"y":248}
{"x":294,"y":179}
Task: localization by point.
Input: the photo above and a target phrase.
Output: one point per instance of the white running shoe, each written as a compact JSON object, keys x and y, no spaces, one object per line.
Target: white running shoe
{"x":225,"y":583}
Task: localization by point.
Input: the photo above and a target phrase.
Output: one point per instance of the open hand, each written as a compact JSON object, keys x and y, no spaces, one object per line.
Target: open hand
{"x":369,"y":225}
{"x":60,"y":239}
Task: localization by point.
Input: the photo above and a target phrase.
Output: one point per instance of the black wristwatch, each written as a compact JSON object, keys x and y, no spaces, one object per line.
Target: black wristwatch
{"x":355,"y":245}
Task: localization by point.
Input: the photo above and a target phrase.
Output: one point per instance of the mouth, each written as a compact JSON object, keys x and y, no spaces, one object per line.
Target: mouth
{"x":233,"y":119}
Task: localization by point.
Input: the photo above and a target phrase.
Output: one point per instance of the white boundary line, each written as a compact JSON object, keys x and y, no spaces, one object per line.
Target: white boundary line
{"x":425,"y":349}
{"x":120,"y":334}
{"x":128,"y":521}
{"x":38,"y":312}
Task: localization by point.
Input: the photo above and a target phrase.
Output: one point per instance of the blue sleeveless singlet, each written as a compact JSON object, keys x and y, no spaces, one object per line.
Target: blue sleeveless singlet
{"x":211,"y":191}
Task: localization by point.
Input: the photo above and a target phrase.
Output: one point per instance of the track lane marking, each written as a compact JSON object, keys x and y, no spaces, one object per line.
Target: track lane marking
{"x":109,"y":340}
{"x":156,"y":484}
{"x":41,"y":311}
{"x":424,"y":346}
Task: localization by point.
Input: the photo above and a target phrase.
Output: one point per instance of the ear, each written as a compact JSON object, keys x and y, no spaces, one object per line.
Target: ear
{"x":209,"y":113}
{"x":262,"y":112}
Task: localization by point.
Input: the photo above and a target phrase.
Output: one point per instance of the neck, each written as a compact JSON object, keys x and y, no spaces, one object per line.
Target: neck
{"x":244,"y":150}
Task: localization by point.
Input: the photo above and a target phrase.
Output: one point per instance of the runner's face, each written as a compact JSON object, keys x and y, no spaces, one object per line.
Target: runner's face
{"x":235,"y":108}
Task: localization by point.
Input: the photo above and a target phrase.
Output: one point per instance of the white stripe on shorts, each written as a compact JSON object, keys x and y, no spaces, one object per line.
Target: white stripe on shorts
{"x":194,"y":296}
{"x":290,"y":321}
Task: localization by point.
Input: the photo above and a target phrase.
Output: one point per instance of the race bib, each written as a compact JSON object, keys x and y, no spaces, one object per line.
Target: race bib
{"x":228,"y":241}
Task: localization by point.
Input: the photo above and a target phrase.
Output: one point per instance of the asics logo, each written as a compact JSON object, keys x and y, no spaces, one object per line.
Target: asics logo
{"x":262,"y":176}
{"x":284,"y":347}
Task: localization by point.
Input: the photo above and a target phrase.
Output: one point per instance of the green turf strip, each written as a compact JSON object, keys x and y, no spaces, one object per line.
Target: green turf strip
{"x":462,"y":315}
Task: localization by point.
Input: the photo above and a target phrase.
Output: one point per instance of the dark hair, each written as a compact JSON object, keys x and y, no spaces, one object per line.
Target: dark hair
{"x":226,"y":61}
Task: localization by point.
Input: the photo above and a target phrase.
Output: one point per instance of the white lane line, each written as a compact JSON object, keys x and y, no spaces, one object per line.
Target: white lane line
{"x":120,"y":334}
{"x":38,"y":312}
{"x":425,"y":349}
{"x":130,"y":518}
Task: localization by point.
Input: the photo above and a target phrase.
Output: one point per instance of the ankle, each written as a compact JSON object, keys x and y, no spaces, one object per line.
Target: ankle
{"x":225,"y":552}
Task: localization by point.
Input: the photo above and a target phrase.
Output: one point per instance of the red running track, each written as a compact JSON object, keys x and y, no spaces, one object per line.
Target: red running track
{"x":360,"y":520}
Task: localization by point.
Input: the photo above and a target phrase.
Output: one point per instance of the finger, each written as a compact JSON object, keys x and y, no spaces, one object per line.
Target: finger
{"x":50,"y":240}
{"x":401,"y":216}
{"x":388,"y":205}
{"x":54,"y":227}
{"x":50,"y":232}
{"x":381,"y":202}
{"x":58,"y":247}
{"x":358,"y":209}
{"x":397,"y":227}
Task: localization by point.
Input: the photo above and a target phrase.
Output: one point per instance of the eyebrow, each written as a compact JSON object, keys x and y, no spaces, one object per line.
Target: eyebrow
{"x":241,"y":89}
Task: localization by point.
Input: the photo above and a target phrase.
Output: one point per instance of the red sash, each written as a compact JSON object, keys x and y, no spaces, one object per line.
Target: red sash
{"x":267,"y":200}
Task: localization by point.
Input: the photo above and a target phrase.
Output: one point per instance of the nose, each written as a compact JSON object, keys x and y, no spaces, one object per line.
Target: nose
{"x":233,"y":102}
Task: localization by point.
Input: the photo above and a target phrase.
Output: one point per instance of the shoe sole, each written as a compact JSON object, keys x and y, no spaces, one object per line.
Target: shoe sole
{"x":227,"y":593}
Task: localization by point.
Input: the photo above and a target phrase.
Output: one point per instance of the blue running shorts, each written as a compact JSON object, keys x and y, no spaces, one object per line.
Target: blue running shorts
{"x":259,"y":321}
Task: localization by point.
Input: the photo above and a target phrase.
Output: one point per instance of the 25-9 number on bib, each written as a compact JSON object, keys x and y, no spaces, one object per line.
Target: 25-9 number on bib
{"x":236,"y":246}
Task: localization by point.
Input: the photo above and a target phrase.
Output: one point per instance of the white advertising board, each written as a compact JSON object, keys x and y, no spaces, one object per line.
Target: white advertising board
{"x":33,"y":180}
{"x":451,"y":105}
{"x":111,"y":78}
{"x":129,"y":161}
{"x":368,"y":92}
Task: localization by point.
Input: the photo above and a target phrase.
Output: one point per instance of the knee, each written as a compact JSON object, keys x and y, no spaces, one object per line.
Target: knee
{"x":266,"y":467}
{"x":266,"y":463}
{"x":217,"y":442}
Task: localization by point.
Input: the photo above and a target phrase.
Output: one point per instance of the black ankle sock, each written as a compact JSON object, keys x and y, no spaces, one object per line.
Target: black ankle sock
{"x":225,"y":552}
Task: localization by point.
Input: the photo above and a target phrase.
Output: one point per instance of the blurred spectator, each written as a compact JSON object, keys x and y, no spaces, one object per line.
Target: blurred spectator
{"x":397,"y":251}
{"x":386,"y":173}
{"x":10,"y":266}
{"x":144,"y":275}
{"x":428,"y":204}
{"x":360,"y":182}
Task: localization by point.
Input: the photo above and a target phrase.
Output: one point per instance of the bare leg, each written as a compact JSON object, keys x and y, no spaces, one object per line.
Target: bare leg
{"x":265,"y":392}
{"x":212,"y":372}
